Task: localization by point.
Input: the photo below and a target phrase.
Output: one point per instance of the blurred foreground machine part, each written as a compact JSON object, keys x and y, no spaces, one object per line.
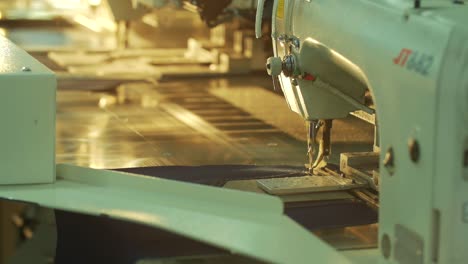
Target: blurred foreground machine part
{"x":28,"y":117}
{"x":28,"y":129}
{"x":411,"y":57}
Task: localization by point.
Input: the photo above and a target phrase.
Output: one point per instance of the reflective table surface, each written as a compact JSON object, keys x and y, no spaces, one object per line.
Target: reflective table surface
{"x":182,"y":123}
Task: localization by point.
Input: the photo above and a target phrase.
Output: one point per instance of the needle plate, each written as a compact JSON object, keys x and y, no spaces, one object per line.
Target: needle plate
{"x":307,"y":184}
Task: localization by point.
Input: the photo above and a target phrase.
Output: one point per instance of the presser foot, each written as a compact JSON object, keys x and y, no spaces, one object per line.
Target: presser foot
{"x":318,"y":144}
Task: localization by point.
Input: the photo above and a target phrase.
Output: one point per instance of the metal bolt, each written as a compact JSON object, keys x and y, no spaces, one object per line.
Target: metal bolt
{"x":414,"y":150}
{"x":389,"y":160}
{"x":386,"y":246}
{"x":288,"y":65}
{"x":295,"y":42}
{"x":25,"y":69}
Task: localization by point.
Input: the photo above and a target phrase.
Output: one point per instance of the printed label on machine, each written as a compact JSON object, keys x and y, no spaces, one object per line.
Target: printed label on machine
{"x":414,"y":61}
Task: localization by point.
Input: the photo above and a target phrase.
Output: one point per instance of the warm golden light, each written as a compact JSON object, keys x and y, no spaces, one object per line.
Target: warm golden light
{"x":87,"y":22}
{"x":94,"y":2}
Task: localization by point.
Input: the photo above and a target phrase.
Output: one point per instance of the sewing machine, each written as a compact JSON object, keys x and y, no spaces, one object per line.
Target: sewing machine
{"x":410,"y":58}
{"x":376,"y":65}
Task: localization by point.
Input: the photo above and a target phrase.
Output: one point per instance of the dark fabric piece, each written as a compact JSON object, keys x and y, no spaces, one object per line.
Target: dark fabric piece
{"x":312,"y":216}
{"x":92,"y":239}
{"x":217,"y":175}
{"x":98,"y":239}
{"x":321,"y":215}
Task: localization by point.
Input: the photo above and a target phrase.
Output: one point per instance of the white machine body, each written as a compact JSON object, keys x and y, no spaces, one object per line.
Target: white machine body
{"x":415,"y":63}
{"x":27,"y":113}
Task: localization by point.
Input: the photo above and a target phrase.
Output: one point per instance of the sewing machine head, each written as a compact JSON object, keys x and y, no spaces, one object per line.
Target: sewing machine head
{"x":409,"y":58}
{"x":320,"y":85}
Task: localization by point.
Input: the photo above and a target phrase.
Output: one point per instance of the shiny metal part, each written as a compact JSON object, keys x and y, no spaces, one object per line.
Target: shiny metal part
{"x":307,"y":184}
{"x":318,"y":143}
{"x":367,"y":196}
{"x":253,"y":186}
{"x":369,"y":118}
{"x":295,"y":42}
{"x":289,"y":40}
{"x":361,"y":165}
